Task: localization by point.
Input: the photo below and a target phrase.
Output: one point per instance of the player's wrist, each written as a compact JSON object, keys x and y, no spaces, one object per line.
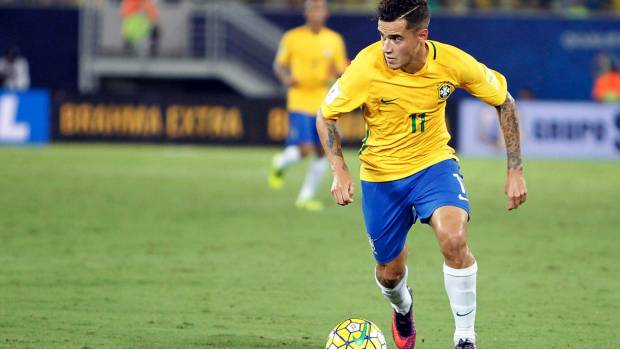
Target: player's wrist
{"x":340,"y":169}
{"x":518,"y":171}
{"x":518,"y":168}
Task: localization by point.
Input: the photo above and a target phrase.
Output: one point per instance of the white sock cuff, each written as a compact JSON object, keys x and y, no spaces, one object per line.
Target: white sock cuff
{"x":320,"y":163}
{"x":292,"y":151}
{"x":401,"y":284}
{"x":290,"y":155}
{"x":468,"y":271}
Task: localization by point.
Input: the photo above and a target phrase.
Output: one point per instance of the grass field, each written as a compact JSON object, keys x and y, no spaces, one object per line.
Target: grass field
{"x":183,"y":247}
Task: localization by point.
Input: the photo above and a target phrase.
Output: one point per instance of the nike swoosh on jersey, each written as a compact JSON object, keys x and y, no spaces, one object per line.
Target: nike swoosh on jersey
{"x":388,"y":101}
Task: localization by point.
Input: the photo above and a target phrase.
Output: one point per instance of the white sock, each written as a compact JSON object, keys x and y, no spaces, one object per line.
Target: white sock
{"x":314,"y":176}
{"x":398,"y":296}
{"x":461,"y":289}
{"x":288,"y":157}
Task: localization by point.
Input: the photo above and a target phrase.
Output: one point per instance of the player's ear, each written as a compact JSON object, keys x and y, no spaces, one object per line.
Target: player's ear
{"x":422,"y":34}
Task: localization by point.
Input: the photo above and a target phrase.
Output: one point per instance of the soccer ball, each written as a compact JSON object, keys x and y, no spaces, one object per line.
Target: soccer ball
{"x":356,"y":333}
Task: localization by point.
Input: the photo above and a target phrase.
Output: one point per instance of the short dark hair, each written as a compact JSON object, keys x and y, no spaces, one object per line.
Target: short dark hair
{"x":308,"y":3}
{"x":415,"y":12}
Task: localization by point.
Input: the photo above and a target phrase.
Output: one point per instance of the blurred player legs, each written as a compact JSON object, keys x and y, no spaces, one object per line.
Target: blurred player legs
{"x":302,"y":141}
{"x":309,"y":58}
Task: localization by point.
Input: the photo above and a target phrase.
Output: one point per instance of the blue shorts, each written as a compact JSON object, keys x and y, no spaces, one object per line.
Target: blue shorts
{"x":302,"y":129}
{"x":391,"y":208}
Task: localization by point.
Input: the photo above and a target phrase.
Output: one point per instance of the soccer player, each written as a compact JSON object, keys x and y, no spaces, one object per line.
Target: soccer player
{"x":309,"y":59}
{"x":408,"y":170}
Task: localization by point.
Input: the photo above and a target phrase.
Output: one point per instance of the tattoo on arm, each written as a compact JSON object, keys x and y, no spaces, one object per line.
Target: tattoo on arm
{"x":333,"y":141}
{"x":509,"y":122}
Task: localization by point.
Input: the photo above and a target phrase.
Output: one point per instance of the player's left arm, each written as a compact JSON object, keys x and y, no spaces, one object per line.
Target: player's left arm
{"x":340,"y":61}
{"x":491,"y":87}
{"x":515,"y":187}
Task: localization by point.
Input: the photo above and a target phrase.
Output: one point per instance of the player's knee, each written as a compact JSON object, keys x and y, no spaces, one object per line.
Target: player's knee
{"x":305,"y":150}
{"x":319,"y":151}
{"x":454,"y":247}
{"x":390,"y":276}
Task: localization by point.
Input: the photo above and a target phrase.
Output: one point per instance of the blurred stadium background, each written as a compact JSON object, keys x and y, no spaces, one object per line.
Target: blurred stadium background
{"x":138,"y":214}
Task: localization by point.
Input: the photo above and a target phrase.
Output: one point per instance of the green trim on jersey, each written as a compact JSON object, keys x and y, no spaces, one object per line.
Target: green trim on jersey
{"x":364,"y":140}
{"x":434,"y":50}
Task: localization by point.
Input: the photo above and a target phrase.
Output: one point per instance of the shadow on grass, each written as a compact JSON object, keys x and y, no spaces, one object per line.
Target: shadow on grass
{"x":236,"y":341}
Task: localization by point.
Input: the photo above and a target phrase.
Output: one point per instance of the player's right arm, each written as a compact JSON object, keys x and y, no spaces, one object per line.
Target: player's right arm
{"x":283,"y":73}
{"x":281,"y":64}
{"x":348,"y":93}
{"x":342,"y":187}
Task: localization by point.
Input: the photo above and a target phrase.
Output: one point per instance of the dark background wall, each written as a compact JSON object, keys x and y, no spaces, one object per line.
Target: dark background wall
{"x":551,"y":56}
{"x":48,"y":38}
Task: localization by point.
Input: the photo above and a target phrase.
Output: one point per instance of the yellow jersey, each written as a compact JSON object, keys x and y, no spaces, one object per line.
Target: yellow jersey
{"x":314,"y":59}
{"x":405,"y":113}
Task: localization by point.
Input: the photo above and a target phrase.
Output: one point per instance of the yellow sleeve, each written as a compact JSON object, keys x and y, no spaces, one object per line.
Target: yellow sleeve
{"x":348,"y":92}
{"x":340,"y":59}
{"x":283,"y":56}
{"x":482,"y":82}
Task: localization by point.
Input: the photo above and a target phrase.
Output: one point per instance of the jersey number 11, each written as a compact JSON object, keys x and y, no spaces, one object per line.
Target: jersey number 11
{"x":414,"y":122}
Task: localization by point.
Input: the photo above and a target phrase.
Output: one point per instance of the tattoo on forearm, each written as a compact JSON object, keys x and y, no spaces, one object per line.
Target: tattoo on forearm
{"x":509,"y":122}
{"x":333,"y":142}
{"x":333,"y":139}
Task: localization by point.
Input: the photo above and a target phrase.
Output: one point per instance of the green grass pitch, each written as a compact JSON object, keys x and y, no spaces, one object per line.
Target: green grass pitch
{"x":106,"y":246}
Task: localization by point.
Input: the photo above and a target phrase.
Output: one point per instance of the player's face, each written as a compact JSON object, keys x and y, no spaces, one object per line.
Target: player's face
{"x":401,"y":45}
{"x":316,"y":13}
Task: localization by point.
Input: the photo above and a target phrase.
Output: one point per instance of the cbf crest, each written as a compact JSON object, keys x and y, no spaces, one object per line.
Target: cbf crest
{"x":445,"y":90}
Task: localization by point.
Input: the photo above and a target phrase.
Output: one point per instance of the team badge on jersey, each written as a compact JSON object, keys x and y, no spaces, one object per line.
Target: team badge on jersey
{"x":328,"y":53}
{"x":445,"y":90}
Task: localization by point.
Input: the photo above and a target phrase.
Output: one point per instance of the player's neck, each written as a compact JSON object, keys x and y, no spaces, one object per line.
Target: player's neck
{"x":315,"y":28}
{"x":418,"y":61}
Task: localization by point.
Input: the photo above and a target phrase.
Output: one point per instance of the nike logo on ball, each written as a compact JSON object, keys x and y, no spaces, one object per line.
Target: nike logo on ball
{"x":360,"y":340}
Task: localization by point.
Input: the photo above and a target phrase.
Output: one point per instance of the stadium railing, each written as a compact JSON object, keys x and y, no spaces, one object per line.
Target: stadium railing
{"x":223,"y":40}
